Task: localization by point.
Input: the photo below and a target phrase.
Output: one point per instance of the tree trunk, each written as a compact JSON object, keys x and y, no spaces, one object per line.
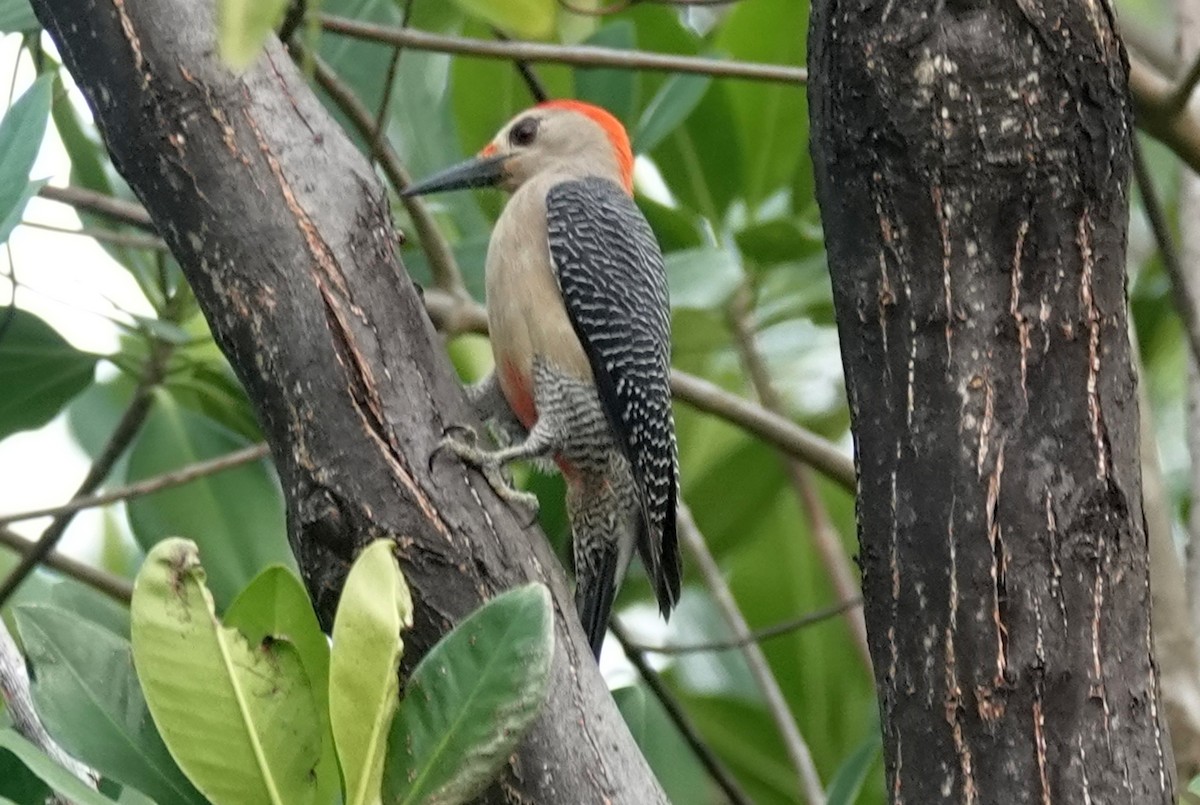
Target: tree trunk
{"x":284,"y":234}
{"x":972,"y":161}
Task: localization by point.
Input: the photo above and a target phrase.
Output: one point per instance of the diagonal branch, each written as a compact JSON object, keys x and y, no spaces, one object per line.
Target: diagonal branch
{"x":113,"y":586}
{"x":122,"y":436}
{"x":157,"y":483}
{"x":703,"y":752}
{"x":756,"y":660}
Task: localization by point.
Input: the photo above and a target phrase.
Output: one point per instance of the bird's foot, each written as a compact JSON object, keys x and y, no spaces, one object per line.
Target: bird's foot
{"x":463,"y":442}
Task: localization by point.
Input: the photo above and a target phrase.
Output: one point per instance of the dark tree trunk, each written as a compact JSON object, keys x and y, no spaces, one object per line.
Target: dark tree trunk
{"x":972,"y":162}
{"x":284,"y":234}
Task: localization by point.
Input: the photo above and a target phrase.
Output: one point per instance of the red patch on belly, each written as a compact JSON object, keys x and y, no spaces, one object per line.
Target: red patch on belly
{"x":518,"y":390}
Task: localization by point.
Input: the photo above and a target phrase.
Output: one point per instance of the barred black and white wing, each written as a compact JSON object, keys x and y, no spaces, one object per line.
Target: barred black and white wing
{"x":610,"y":271}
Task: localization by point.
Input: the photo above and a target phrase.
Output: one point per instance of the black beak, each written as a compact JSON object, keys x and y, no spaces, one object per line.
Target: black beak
{"x":474,"y":172}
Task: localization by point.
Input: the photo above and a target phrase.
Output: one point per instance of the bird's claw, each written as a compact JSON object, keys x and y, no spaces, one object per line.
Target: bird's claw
{"x":469,"y":452}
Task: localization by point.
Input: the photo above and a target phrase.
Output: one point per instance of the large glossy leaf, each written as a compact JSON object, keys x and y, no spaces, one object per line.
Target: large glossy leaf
{"x":21,"y":133}
{"x":50,"y":773}
{"x":846,"y":785}
{"x":363,"y":675}
{"x":470,"y":700}
{"x":677,"y":98}
{"x":88,"y":697}
{"x":276,"y":606}
{"x":613,"y":89}
{"x":702,"y":279}
{"x":235,"y":516}
{"x":239,"y":718}
{"x":243,"y":27}
{"x":771,"y":120}
{"x":525,"y":18}
{"x":39,"y":372}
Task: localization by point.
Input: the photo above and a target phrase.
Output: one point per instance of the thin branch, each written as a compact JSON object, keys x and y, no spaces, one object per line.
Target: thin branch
{"x":778,"y":431}
{"x":825,"y":537}
{"x":581,"y":55}
{"x":125,"y":211}
{"x":777,"y":706}
{"x":442,"y":263}
{"x":114,"y":587}
{"x":758,"y":635}
{"x":708,"y":759}
{"x":456,"y":316}
{"x":1183,"y":90}
{"x":389,"y":85}
{"x":18,"y":699}
{"x":157,"y":483}
{"x":1181,"y":293}
{"x":128,"y":240}
{"x":534,"y":84}
{"x":123,"y":434}
{"x":622,"y":5}
{"x":1152,"y":92}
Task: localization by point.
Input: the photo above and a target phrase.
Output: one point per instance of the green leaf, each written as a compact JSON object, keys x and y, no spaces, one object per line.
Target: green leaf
{"x":49,"y":772}
{"x":243,"y":27}
{"x":21,"y":133}
{"x":40,"y":373}
{"x":239,"y":718}
{"x":8,"y":224}
{"x":235,"y":516}
{"x":88,"y":697}
{"x":675,"y":100}
{"x":363,"y":676}
{"x":470,"y":700}
{"x":275,"y":605}
{"x":770,"y":120}
{"x":525,"y":18}
{"x":848,"y":781}
{"x":17,"y":15}
{"x":702,"y":279}
{"x":612,"y":89}
{"x":1194,"y":786}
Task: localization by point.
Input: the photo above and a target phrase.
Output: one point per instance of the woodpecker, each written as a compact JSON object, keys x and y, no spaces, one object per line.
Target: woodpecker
{"x":580,"y":327}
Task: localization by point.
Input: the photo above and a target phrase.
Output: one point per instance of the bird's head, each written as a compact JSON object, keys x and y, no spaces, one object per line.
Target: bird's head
{"x":569,"y":137}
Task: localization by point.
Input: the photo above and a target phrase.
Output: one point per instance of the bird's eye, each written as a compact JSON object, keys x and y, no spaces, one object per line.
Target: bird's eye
{"x":523,"y":131}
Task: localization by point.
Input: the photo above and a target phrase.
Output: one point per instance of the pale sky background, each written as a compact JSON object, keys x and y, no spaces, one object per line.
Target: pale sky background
{"x":66,"y":281}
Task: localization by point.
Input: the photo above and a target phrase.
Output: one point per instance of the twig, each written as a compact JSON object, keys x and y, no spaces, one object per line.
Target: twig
{"x":389,"y":84}
{"x":772,"y":428}
{"x":456,"y":316}
{"x":582,"y":55}
{"x":129,"y":240}
{"x":1152,"y":91}
{"x":122,"y":435}
{"x":1183,"y":295}
{"x":777,"y":706}
{"x":1184,"y":89}
{"x":534,"y":84}
{"x":114,"y":587}
{"x":622,"y":5}
{"x":442,"y":263}
{"x":708,"y":759}
{"x":14,"y":685}
{"x":824,"y":536}
{"x":157,"y":483}
{"x":81,"y":198}
{"x":758,"y":635}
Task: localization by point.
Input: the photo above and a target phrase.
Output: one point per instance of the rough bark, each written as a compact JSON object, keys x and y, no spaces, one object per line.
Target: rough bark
{"x":972,"y":164}
{"x":284,"y":234}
